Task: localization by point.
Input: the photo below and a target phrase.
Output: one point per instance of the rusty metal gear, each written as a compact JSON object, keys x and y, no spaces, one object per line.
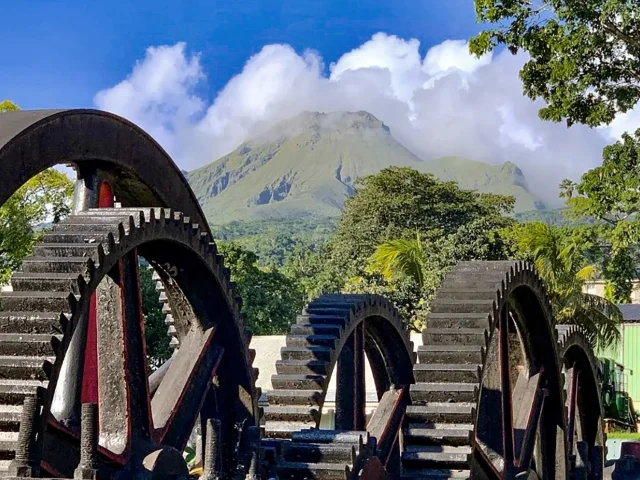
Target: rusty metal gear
{"x":333,"y":335}
{"x":49,"y":304}
{"x":469,"y":415}
{"x":585,"y":418}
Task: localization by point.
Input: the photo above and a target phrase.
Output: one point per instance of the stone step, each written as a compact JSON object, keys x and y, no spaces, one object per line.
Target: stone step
{"x":24,"y":344}
{"x":464,"y":292}
{"x":434,"y":474}
{"x":437,"y":456}
{"x":420,"y":433}
{"x":65,"y":250}
{"x":23,"y":367}
{"x":10,"y":418}
{"x":313,"y":471}
{"x":283,"y":430}
{"x":73,"y":227}
{"x":89,"y":237}
{"x":315,"y":319}
{"x":319,"y":329}
{"x":12,"y":392}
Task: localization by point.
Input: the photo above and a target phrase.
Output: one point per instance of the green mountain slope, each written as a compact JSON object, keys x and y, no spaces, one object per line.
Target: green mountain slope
{"x":505,"y":179}
{"x":306,"y":167}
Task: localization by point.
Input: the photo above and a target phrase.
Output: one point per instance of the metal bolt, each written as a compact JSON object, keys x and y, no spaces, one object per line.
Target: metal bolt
{"x":254,"y":444}
{"x":212,"y":450}
{"x":26,"y":462}
{"x":86,"y":469}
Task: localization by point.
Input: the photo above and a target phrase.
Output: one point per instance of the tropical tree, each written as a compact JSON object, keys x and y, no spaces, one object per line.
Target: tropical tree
{"x":560,"y":261}
{"x":584,"y":55}
{"x":400,"y":257}
{"x":270,"y":299}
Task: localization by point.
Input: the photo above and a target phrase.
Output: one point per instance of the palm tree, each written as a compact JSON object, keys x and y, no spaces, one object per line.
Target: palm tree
{"x":560,"y":263}
{"x":400,"y":257}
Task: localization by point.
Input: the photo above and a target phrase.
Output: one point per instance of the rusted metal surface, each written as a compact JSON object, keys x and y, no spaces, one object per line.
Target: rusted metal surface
{"x":139,"y":170}
{"x":110,"y":265}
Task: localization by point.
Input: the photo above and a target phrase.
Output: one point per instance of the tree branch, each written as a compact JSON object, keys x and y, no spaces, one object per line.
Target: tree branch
{"x":616,"y":32}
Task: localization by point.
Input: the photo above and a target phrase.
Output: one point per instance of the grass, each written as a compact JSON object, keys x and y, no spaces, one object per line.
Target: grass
{"x":623,"y":436}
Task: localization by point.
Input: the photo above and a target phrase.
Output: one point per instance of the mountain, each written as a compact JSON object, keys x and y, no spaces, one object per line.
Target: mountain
{"x":306,"y":167}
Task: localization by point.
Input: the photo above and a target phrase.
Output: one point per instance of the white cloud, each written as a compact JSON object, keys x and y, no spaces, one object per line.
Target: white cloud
{"x":158,"y":94}
{"x":445,"y":103}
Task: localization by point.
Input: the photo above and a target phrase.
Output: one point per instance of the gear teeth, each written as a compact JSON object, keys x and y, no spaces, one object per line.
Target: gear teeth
{"x":56,"y":345}
{"x":441,"y":412}
{"x":71,"y":261}
{"x":299,"y":387}
{"x":47,"y":367}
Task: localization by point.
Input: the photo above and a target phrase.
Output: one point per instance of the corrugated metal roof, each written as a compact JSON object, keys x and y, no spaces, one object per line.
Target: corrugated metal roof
{"x":630,"y":312}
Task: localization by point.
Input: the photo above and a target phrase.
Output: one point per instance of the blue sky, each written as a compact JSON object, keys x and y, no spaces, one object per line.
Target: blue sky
{"x":60,"y":53}
{"x":204,"y":76}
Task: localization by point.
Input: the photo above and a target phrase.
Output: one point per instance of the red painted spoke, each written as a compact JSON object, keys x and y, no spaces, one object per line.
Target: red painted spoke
{"x":135,"y":350}
{"x":505,"y":390}
{"x":89,"y":393}
{"x":122,"y":384}
{"x":528,"y":399}
{"x":184,"y":387}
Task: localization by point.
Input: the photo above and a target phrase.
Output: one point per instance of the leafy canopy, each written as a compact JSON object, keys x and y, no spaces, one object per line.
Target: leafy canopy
{"x":399,"y":234}
{"x":610,"y":194}
{"x":584,"y":54}
{"x":270,"y":300}
{"x":560,"y":259}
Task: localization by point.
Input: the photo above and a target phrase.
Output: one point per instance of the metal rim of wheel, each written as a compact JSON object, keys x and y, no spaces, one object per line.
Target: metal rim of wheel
{"x":77,"y":257}
{"x":332,"y":336}
{"x":465,"y":376}
{"x":585,"y":419}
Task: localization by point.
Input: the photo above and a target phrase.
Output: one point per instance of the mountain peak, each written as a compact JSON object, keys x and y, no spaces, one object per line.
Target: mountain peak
{"x":307,"y":165}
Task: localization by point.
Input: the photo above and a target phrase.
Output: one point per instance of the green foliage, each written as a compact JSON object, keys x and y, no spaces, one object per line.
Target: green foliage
{"x":273,"y":239}
{"x":400,"y":200}
{"x":561,"y":260}
{"x":44,"y":198}
{"x":399,"y":235}
{"x":584,"y":55}
{"x":400,"y":257}
{"x":8,"y":106}
{"x":610,"y":194}
{"x":155,"y":331}
{"x":270,"y":300}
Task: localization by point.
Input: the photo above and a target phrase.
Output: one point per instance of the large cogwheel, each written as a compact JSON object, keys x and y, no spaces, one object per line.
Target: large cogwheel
{"x":86,"y":270}
{"x":488,"y":400}
{"x":585,"y":426}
